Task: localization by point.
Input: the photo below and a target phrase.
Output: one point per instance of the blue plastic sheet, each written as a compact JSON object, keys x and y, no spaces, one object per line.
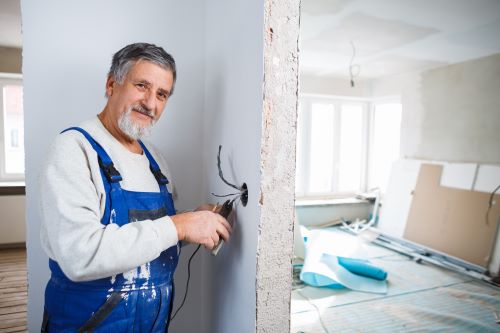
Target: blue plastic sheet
{"x":333,"y":261}
{"x":362,"y":267}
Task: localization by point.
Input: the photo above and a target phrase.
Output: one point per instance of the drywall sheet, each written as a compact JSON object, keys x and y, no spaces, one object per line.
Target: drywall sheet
{"x":488,"y":178}
{"x":451,"y":220}
{"x":403,"y":179}
{"x":397,"y":201}
{"x":458,"y":175}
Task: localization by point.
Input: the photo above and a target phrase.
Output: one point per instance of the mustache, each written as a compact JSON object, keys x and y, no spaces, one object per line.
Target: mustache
{"x":143,"y":109}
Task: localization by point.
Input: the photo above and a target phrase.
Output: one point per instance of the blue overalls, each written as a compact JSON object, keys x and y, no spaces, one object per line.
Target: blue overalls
{"x":136,"y":301}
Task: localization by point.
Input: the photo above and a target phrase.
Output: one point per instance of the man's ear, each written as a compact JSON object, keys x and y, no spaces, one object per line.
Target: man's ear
{"x":110,"y":84}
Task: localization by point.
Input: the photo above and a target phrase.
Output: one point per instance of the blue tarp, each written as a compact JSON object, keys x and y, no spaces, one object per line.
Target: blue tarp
{"x":332,"y":260}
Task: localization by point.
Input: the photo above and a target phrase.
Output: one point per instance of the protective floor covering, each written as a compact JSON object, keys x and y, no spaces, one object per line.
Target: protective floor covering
{"x":421,"y":297}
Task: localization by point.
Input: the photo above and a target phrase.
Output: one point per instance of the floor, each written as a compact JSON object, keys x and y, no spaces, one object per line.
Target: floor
{"x":420,"y":297}
{"x":13,"y":290}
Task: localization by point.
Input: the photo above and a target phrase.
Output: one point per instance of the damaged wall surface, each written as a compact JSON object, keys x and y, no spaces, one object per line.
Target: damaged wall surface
{"x":450,"y":113}
{"x":277,"y":198}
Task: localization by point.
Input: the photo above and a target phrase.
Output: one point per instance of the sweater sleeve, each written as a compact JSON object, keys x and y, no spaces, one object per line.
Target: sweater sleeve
{"x":72,"y":233}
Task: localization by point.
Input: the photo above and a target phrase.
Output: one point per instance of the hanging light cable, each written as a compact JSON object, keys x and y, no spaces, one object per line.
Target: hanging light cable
{"x":354,"y":69}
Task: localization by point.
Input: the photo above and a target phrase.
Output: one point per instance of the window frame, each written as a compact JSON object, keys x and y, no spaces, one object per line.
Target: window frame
{"x":6,"y":178}
{"x":368,"y":113}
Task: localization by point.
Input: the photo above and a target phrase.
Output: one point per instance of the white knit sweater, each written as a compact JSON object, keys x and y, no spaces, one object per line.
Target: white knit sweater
{"x":72,"y":201}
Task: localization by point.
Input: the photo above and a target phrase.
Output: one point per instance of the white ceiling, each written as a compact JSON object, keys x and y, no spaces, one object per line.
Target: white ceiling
{"x":390,"y":36}
{"x":395,"y":36}
{"x":10,"y":23}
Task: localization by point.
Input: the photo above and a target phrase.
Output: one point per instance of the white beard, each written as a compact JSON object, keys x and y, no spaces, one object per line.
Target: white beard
{"x":132,"y":129}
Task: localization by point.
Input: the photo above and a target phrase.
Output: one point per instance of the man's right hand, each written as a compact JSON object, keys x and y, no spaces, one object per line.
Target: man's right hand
{"x":202,"y":227}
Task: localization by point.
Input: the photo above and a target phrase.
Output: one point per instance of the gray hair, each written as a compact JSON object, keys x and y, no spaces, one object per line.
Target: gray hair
{"x":130,"y":54}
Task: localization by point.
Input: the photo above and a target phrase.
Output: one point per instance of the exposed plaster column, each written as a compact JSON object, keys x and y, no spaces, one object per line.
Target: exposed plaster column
{"x":275,"y":245}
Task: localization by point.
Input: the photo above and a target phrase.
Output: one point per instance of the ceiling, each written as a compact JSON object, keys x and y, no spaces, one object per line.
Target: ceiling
{"x":389,"y":37}
{"x":10,"y":23}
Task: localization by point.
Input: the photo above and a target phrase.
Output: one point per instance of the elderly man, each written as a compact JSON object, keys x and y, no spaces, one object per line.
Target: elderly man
{"x":108,"y":220}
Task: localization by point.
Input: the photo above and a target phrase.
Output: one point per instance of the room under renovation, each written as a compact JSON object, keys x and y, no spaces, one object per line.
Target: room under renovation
{"x":347,"y":153}
{"x":398,"y":175}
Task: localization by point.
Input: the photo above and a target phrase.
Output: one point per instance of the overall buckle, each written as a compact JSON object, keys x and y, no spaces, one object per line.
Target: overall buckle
{"x":110,"y":171}
{"x":160,"y":177}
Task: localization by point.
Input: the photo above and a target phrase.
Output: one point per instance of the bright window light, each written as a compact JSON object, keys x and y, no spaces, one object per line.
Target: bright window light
{"x":321,"y":148}
{"x":385,"y":143}
{"x":11,"y":129}
{"x":299,"y":167}
{"x":351,"y":148}
{"x":346,"y":145}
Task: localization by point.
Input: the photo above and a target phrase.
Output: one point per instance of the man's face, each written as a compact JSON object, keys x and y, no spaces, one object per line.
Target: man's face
{"x":137,"y":103}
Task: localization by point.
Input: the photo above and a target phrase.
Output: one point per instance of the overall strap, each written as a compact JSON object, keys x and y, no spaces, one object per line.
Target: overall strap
{"x":102,"y":313}
{"x":161,"y":179}
{"x":115,"y":210}
{"x":105,"y":161}
{"x":154,"y":167}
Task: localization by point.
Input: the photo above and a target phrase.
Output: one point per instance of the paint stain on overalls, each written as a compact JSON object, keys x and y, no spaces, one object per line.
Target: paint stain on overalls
{"x":139,"y":300}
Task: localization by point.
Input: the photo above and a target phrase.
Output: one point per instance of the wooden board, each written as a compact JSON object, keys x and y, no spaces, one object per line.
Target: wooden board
{"x":451,"y":220}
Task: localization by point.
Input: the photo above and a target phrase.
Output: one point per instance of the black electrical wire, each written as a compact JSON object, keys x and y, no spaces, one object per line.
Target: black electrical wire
{"x":237,"y":196}
{"x":490,"y":204}
{"x":221,"y":175}
{"x":243,"y":190}
{"x":225,"y":195}
{"x":189,"y":272}
{"x":353,"y":66}
{"x":187,"y":283}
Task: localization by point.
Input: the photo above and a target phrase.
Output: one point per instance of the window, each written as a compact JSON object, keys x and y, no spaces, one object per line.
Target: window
{"x":345,"y":145}
{"x":11,"y":128}
{"x":384,"y":143}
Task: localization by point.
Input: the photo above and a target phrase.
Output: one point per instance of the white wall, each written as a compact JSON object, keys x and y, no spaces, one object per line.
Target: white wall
{"x":67,"y":49}
{"x":320,"y":214}
{"x":450,"y":113}
{"x":234,"y":74}
{"x":324,"y":85}
{"x":12,"y":219}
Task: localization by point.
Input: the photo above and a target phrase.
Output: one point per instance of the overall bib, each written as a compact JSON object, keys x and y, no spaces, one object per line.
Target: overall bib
{"x":135,"y":301}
